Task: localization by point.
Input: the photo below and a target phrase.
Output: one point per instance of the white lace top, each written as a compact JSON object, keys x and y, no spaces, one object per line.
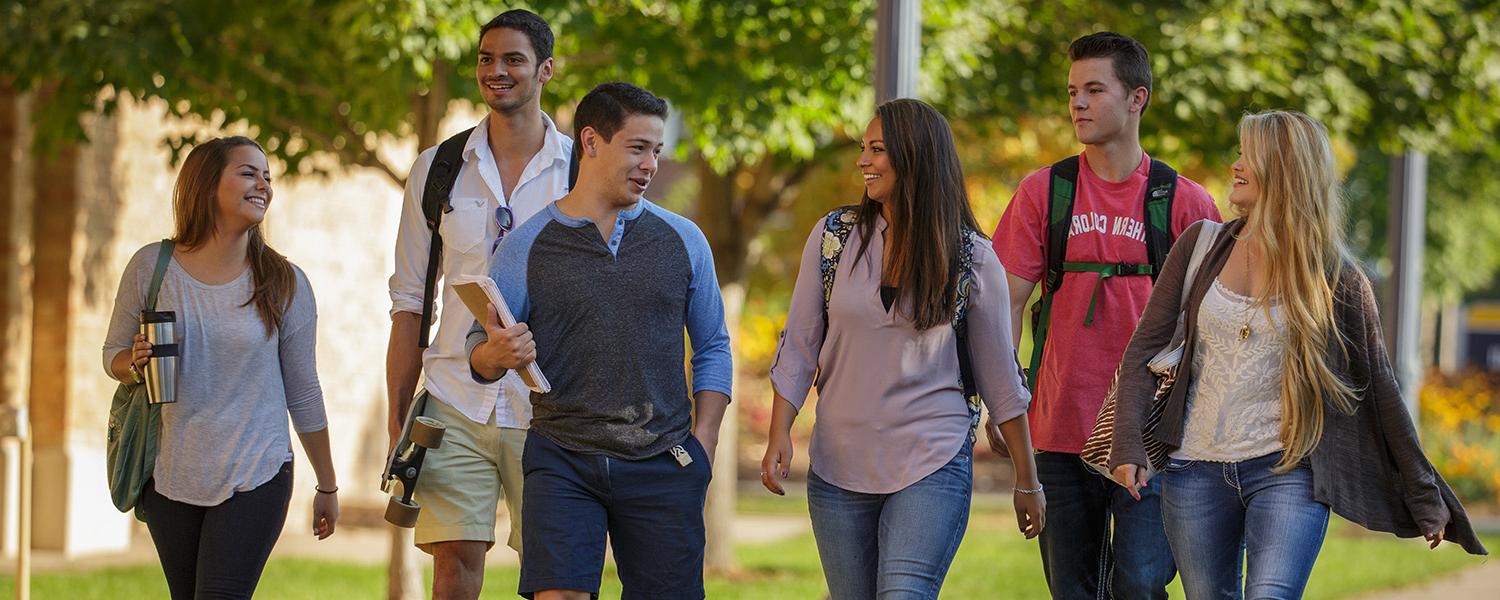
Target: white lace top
{"x":1234,"y":405}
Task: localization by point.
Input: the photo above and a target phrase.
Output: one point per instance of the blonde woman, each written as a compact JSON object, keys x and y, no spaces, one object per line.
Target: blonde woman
{"x":1286,"y":404}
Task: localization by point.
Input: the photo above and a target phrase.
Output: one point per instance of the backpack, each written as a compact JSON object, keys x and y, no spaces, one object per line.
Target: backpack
{"x":836,"y":228}
{"x":435,"y":202}
{"x":1161,"y":187}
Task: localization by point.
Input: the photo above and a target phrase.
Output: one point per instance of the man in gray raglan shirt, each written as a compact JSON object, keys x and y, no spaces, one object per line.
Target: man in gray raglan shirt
{"x":602,"y":284}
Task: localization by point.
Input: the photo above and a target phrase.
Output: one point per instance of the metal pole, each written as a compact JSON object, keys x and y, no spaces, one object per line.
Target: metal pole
{"x":898,"y":46}
{"x":1407,"y":235}
{"x":15,"y":421}
{"x":23,"y":549}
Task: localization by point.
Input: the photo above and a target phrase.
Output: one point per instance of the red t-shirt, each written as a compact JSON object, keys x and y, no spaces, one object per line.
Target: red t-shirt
{"x":1108,"y":227}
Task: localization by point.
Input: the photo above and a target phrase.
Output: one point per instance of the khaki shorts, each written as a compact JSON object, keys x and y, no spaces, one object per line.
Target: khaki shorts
{"x":463,"y":480}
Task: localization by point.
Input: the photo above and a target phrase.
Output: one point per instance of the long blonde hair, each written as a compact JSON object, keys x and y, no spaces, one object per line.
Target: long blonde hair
{"x":1298,"y":219}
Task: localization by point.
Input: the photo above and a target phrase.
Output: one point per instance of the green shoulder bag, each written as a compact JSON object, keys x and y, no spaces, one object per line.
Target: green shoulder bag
{"x":135,"y":423}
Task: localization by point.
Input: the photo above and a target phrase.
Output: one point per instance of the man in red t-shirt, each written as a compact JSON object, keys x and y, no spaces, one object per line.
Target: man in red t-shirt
{"x":1109,"y":87}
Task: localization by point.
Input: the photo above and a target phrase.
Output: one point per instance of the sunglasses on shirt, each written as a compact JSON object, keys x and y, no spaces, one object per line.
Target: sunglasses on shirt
{"x":506,"y":220}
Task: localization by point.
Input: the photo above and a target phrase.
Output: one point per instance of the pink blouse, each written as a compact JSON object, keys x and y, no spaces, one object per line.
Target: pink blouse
{"x":890,"y":408}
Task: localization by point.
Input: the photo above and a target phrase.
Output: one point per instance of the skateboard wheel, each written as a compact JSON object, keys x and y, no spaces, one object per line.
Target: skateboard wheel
{"x":427,"y":432}
{"x":401,"y":514}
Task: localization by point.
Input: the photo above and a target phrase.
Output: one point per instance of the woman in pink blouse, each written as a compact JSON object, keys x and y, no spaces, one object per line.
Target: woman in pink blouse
{"x":872,"y":324}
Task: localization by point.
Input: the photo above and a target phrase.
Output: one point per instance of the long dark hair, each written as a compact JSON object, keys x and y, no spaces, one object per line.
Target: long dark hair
{"x":929,"y":210}
{"x":194,"y":204}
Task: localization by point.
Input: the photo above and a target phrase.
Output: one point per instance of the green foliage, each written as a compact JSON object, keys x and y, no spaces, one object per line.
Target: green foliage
{"x":1395,"y":74}
{"x":310,"y":76}
{"x":1384,"y":75}
{"x":765,"y":85}
{"x":750,"y":79}
{"x":1462,"y":252}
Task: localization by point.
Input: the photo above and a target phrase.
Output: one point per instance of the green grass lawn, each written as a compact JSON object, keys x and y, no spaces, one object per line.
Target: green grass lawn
{"x":994,"y":562}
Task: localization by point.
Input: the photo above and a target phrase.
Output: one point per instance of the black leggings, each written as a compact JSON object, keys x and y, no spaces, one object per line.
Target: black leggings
{"x":218,"y":551}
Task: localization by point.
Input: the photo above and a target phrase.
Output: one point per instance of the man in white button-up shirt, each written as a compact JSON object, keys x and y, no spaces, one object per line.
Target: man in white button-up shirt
{"x":514,"y":164}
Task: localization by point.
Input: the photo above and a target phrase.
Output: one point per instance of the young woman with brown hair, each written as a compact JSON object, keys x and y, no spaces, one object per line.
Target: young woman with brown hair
{"x":246,"y":328}
{"x":892,"y":472}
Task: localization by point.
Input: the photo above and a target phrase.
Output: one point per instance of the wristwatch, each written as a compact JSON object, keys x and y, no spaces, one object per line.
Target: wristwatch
{"x":135,"y":374}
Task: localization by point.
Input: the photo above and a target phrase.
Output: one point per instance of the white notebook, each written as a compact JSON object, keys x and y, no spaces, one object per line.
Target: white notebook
{"x":479,"y":292}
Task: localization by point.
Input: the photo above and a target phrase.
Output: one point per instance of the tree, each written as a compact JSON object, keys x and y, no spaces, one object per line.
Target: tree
{"x":311,"y":77}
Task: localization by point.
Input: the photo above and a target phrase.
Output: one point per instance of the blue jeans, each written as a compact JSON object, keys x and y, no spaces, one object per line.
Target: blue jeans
{"x":1082,"y":558}
{"x":892,"y":546}
{"x":1217,"y":513}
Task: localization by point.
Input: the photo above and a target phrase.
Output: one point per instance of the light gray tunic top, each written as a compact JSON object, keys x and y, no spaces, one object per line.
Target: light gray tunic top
{"x":890,"y":405}
{"x":227,"y":432}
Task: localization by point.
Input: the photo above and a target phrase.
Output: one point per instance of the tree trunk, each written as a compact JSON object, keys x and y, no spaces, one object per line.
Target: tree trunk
{"x":404,"y":578}
{"x":719,"y":513}
{"x":714,"y":214}
{"x":428,"y":108}
{"x":404,"y":573}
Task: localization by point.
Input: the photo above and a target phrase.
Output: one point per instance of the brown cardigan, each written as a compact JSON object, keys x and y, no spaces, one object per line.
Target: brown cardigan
{"x":1369,"y":466}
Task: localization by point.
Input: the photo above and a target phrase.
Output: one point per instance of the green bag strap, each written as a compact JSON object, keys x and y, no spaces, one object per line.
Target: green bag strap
{"x":1161,"y":188}
{"x":163,"y":258}
{"x":1060,"y":190}
{"x":1105,"y":271}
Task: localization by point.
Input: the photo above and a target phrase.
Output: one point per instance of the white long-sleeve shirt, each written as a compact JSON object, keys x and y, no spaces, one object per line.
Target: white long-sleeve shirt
{"x":469,"y":231}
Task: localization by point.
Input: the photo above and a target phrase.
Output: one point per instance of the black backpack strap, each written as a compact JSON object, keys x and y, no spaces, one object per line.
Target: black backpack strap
{"x":573,"y":160}
{"x":1061,"y":187}
{"x":965,"y":282}
{"x":440,"y":178}
{"x":1161,"y":188}
{"x":836,"y":228}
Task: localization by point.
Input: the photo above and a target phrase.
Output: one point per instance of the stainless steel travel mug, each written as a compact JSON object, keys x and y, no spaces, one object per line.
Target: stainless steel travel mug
{"x":161,"y":369}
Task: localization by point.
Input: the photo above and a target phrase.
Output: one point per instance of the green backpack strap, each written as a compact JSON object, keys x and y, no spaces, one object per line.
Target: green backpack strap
{"x":1060,"y":189}
{"x":1161,"y":189}
{"x":163,"y":258}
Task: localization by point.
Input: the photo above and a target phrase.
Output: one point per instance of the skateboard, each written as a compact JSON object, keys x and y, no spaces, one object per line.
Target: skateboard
{"x":404,"y":466}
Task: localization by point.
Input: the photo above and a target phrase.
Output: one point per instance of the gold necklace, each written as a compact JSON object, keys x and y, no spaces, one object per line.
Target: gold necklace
{"x":1245,"y":330}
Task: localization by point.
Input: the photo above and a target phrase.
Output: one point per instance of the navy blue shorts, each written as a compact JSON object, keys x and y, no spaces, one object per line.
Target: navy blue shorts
{"x":652,"y":511}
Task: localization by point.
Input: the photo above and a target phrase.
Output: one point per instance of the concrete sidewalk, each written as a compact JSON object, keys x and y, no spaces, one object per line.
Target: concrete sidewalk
{"x":1482,"y":581}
